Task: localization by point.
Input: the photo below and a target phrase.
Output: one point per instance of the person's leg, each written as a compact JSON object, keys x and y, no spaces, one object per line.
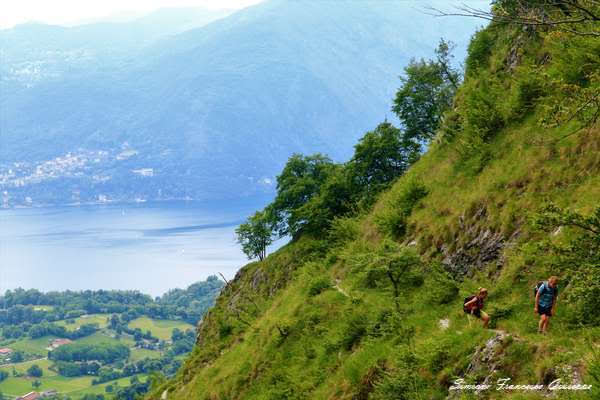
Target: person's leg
{"x":541,"y":324}
{"x":485,"y":318}
{"x":547,"y":323}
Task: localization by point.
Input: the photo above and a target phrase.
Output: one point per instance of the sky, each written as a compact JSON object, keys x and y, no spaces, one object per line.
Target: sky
{"x":69,"y":12}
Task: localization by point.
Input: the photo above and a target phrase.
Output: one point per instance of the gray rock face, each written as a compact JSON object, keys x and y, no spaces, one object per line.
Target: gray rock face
{"x":486,"y":361}
{"x":483,"y":247}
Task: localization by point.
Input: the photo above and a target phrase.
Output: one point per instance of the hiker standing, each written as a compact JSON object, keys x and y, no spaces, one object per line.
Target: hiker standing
{"x":473,"y":305}
{"x":545,"y":301}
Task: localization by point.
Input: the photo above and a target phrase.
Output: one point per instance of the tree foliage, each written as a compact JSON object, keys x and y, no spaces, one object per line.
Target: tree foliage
{"x":300,"y":181}
{"x":255,"y":235}
{"x":579,"y":258}
{"x":380,"y":157}
{"x":427,"y":90}
{"x":35,"y":371}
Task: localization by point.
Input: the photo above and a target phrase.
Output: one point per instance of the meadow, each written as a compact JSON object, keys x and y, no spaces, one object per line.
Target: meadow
{"x":36,"y":353}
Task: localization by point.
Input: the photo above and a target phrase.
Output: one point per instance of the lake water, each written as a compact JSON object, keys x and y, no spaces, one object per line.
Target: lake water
{"x":148,"y":247}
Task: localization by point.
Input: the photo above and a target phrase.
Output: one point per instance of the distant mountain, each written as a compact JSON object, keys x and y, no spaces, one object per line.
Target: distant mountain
{"x":33,"y":52}
{"x":100,"y":113}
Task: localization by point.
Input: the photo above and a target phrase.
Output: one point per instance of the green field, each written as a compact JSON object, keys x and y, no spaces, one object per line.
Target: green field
{"x":74,"y":387}
{"x":33,"y":346}
{"x":79,"y":386}
{"x":100,"y":319}
{"x":101,"y":389}
{"x":139,"y":354}
{"x":19,"y":386}
{"x":43,"y":308}
{"x":101,"y":337}
{"x":43,"y":363}
{"x":160,"y":328}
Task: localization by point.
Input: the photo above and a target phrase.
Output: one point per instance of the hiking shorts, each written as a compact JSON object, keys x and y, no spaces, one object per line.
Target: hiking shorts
{"x":545,"y":311}
{"x":476,"y":312}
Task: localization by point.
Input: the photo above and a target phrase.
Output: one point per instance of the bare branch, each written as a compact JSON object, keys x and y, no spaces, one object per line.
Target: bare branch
{"x":224,"y":279}
{"x":569,"y":15}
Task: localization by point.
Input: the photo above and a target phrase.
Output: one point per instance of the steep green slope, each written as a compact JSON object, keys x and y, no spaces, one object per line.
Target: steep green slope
{"x":318,"y":319}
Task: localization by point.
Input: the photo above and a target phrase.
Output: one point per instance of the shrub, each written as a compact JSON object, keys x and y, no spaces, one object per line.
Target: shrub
{"x":319,"y":285}
{"x":529,"y":88}
{"x":225,"y":330}
{"x":479,"y":50}
{"x":343,"y":230}
{"x":498,"y":313}
{"x":392,"y":220}
{"x":402,"y":383}
{"x":441,"y":288}
{"x":354,"y":331}
{"x":481,"y":110}
{"x":584,"y":296}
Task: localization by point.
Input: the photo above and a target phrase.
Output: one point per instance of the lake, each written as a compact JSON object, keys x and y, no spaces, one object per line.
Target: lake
{"x":147,"y":247}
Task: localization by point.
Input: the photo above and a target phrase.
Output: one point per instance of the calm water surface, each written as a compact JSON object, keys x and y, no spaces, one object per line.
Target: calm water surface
{"x":148,"y":247}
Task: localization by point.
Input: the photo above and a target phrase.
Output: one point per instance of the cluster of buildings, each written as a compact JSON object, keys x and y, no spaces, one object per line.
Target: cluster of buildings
{"x":18,"y":180}
{"x":5,"y":352}
{"x":56,"y":343}
{"x":36,"y":395}
{"x":21,"y":174}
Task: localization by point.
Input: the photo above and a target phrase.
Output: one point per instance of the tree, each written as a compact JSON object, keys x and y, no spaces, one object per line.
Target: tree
{"x":255,"y":235}
{"x":393,"y":262}
{"x":35,"y":371}
{"x":379,"y":158}
{"x":578,"y":259}
{"x":337,"y":197}
{"x":427,"y":90}
{"x":17,"y":356}
{"x":114,"y":321}
{"x":36,"y":384}
{"x":579,"y":17}
{"x":300,"y":180}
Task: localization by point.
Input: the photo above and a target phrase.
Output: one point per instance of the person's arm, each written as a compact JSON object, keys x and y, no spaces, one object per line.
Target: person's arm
{"x":537,"y":298}
{"x":469,"y":303}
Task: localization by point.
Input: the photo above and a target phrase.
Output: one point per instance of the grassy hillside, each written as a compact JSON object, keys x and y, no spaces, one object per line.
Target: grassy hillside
{"x":318,"y":319}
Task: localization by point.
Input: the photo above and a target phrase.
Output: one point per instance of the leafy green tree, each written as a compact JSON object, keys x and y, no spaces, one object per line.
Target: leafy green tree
{"x":36,"y":384}
{"x":578,"y":259}
{"x":255,"y":235}
{"x":427,"y":91}
{"x":300,"y":180}
{"x":379,"y":158}
{"x":336,"y":198}
{"x":394,"y":263}
{"x":35,"y":371}
{"x":114,"y":321}
{"x":17,"y":356}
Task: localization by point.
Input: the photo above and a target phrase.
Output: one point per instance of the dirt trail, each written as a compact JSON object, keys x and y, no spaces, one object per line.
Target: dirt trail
{"x":339,"y":289}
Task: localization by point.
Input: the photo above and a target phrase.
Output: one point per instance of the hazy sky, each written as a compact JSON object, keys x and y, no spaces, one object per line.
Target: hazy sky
{"x":14,"y":12}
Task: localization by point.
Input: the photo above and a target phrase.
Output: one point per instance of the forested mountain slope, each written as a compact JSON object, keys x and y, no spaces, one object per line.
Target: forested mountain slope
{"x":366,"y":303}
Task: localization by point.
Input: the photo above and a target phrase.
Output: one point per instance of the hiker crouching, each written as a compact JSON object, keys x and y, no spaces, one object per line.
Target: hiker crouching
{"x":474,"y":304}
